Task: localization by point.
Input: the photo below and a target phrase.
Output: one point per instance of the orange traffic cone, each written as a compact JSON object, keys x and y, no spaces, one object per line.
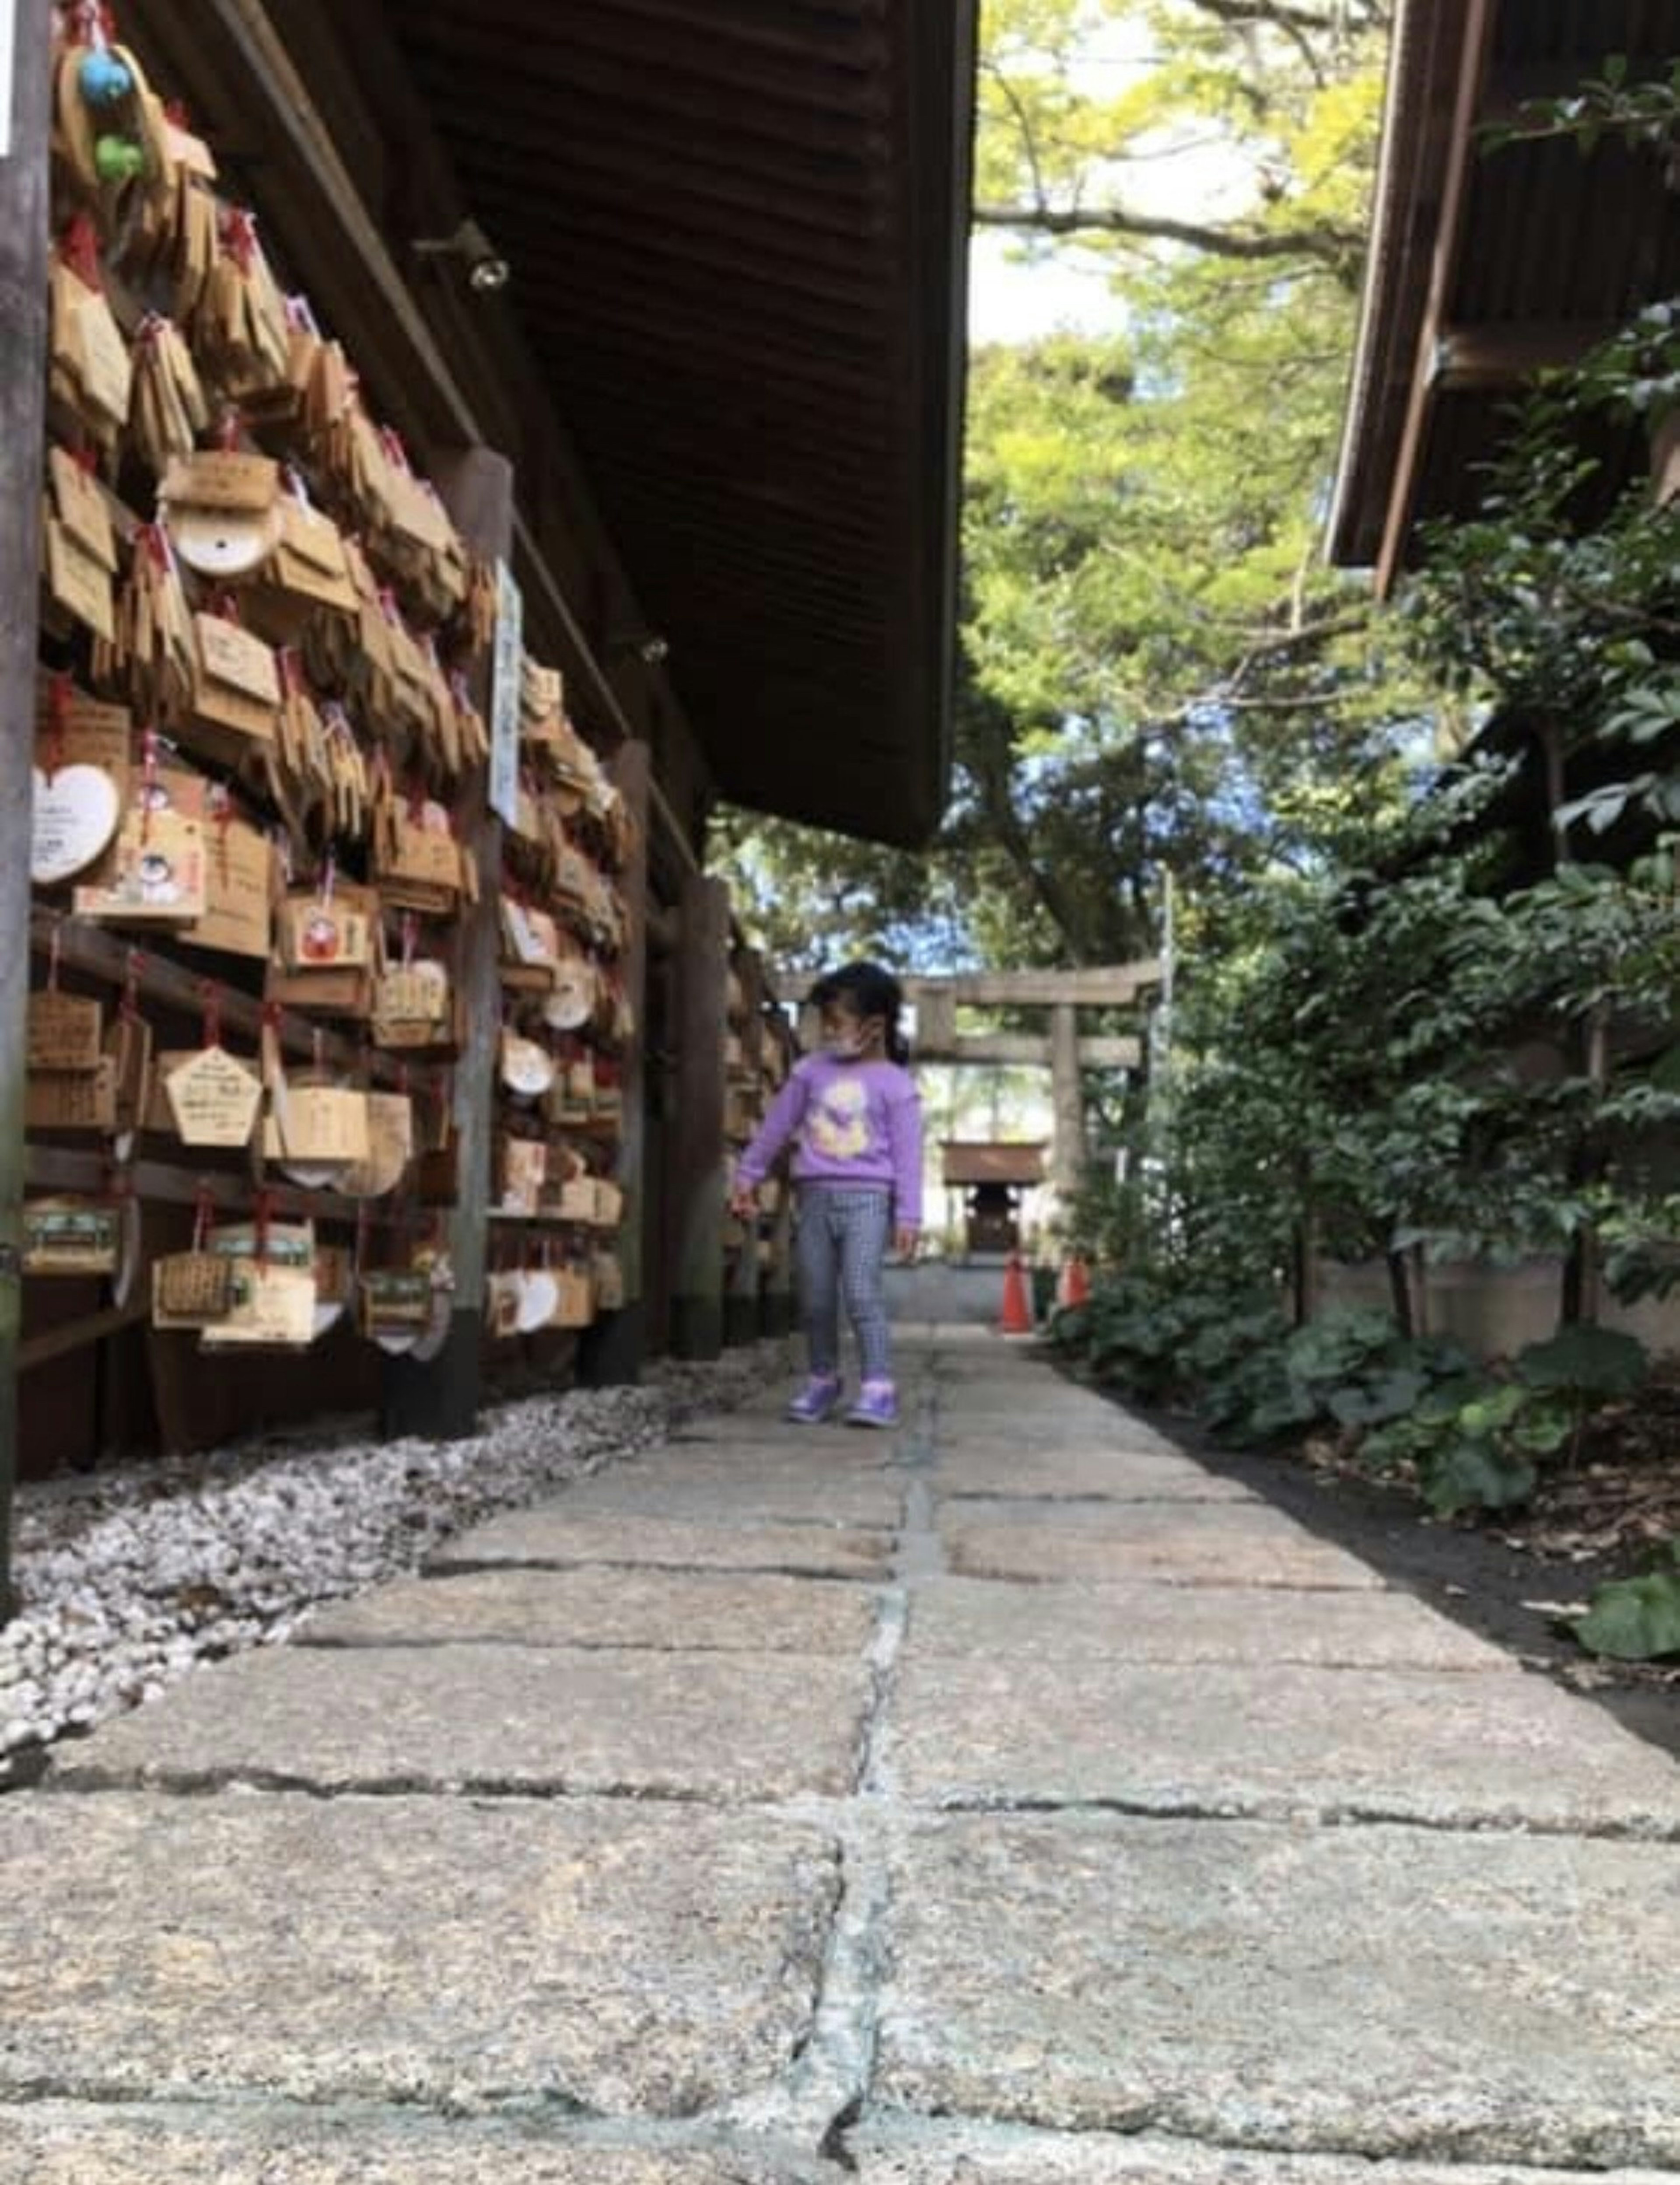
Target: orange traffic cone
{"x":1017,"y":1312}
{"x":1076,"y":1282}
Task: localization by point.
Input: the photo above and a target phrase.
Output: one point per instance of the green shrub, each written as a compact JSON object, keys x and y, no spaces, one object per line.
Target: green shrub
{"x":1476,"y":1440}
{"x":1636,"y":1619}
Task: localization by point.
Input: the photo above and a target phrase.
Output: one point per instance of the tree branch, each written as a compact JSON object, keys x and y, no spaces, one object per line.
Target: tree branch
{"x":1337,"y":247}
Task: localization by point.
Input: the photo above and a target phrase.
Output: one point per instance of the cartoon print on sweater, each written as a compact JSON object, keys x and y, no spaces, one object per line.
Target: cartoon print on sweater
{"x":839,"y":1124}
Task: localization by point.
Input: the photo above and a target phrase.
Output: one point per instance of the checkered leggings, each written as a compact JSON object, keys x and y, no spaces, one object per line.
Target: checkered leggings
{"x":843,"y":1239}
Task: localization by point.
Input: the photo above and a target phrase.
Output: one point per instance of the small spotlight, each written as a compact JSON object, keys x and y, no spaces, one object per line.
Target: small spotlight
{"x":647,"y":646}
{"x":487,"y":270}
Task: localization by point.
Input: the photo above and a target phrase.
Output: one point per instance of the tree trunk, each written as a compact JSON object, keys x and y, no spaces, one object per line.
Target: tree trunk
{"x":1583,"y":1298}
{"x":1400,"y":1291}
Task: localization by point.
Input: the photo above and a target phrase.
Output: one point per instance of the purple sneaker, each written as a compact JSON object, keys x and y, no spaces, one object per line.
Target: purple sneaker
{"x":877,"y":1405}
{"x":816,"y":1400}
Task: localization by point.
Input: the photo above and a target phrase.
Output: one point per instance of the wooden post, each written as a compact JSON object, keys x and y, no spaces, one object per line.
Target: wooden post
{"x":1067,"y":1153}
{"x":778,"y":1312}
{"x":440,"y":1397}
{"x":698,"y":1178}
{"x":740,"y":1303}
{"x":22,"y":381}
{"x":613,"y":1350}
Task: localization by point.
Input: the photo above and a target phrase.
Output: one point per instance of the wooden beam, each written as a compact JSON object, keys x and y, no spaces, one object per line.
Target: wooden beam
{"x":23,"y":382}
{"x":1095,"y":986}
{"x":1468,"y":358}
{"x":1026,"y":1051}
{"x":1478,"y":22}
{"x":80,"y":1334}
{"x":1104,"y":987}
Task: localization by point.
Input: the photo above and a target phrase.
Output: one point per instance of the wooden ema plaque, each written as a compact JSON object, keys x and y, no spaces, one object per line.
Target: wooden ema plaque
{"x":325,"y":987}
{"x":156,"y":871}
{"x":390,"y":1147}
{"x":273,"y":1309}
{"x":80,"y":784}
{"x":575,"y":1306}
{"x":72,"y":1100}
{"x":524,"y":1165}
{"x":71,"y":1237}
{"x":191,"y":1289}
{"x":214,"y":1097}
{"x":413,"y":1006}
{"x":273,"y":1304}
{"x":241,"y":870}
{"x":236,"y":688}
{"x":395,"y":1304}
{"x":318,"y":1126}
{"x":65,"y":1032}
{"x":74,"y":811}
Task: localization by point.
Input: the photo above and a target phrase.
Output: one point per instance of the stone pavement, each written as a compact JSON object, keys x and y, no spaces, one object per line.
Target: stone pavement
{"x":1011,"y":1804}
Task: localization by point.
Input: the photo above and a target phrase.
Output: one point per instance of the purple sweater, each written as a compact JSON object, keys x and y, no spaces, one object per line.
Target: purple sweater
{"x":854,"y":1122}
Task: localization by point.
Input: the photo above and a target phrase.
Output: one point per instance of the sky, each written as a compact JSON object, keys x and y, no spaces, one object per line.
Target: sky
{"x":1010,"y":302}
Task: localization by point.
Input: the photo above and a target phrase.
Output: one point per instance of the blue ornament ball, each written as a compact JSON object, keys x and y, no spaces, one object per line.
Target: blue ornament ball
{"x":104,"y":78}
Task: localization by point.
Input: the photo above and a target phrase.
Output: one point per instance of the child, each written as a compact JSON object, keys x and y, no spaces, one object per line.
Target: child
{"x":858,"y":1171}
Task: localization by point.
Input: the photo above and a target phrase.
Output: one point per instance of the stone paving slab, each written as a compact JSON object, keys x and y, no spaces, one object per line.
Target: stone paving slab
{"x":846,"y":1454}
{"x":1009,"y":1421}
{"x":1041,"y":1393}
{"x":799,"y":1492}
{"x":1150,"y":1622}
{"x":1269,"y":1739}
{"x":1203,"y":1544}
{"x":551,"y":1538}
{"x":1050,"y":1467}
{"x":1371,"y":1990}
{"x":742,"y":1726}
{"x":982,"y":2155}
{"x":429,"y":1951}
{"x":62,"y":2143}
{"x":756,"y":1429}
{"x":757,"y":1611}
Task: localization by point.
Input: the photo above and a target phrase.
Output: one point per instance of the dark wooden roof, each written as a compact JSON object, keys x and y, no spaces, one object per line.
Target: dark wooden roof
{"x":737,"y":229}
{"x":1486,"y":264}
{"x":966,"y":1162}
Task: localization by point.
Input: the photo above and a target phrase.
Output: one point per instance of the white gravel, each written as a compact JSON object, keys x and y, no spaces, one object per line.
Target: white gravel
{"x":127,"y":1579}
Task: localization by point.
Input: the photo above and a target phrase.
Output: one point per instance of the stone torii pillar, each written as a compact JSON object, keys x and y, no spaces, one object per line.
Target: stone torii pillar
{"x":1066,"y":1101}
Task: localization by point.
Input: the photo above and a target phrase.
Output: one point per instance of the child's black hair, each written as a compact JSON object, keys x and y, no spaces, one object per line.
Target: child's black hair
{"x":867,"y":990}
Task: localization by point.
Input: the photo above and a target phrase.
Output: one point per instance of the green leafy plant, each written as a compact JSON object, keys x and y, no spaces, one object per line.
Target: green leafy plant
{"x":1350,"y":1369}
{"x":1470,"y":1445}
{"x":1636,"y":1619}
{"x":1479,"y":1442}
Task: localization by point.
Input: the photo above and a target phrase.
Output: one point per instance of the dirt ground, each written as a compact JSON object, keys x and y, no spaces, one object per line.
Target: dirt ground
{"x":1512,"y":1578}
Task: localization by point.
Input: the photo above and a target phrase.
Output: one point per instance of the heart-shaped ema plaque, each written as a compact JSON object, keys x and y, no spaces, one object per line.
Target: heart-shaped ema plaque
{"x":538,"y":1298}
{"x":528,"y":1069}
{"x":73,"y":817}
{"x":570,"y":1001}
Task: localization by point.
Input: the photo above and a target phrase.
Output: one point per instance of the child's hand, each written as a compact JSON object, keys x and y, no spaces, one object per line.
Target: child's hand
{"x":744,"y":1202}
{"x":905,"y":1241}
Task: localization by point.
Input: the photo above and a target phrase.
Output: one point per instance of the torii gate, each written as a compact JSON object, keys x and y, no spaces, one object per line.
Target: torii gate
{"x":1061,"y":1050}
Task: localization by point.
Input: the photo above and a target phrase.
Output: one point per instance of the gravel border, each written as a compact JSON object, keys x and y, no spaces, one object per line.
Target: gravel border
{"x":128,"y":1579}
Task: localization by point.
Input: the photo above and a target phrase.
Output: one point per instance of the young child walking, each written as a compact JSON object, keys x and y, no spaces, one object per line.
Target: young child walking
{"x":857,"y":1119}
